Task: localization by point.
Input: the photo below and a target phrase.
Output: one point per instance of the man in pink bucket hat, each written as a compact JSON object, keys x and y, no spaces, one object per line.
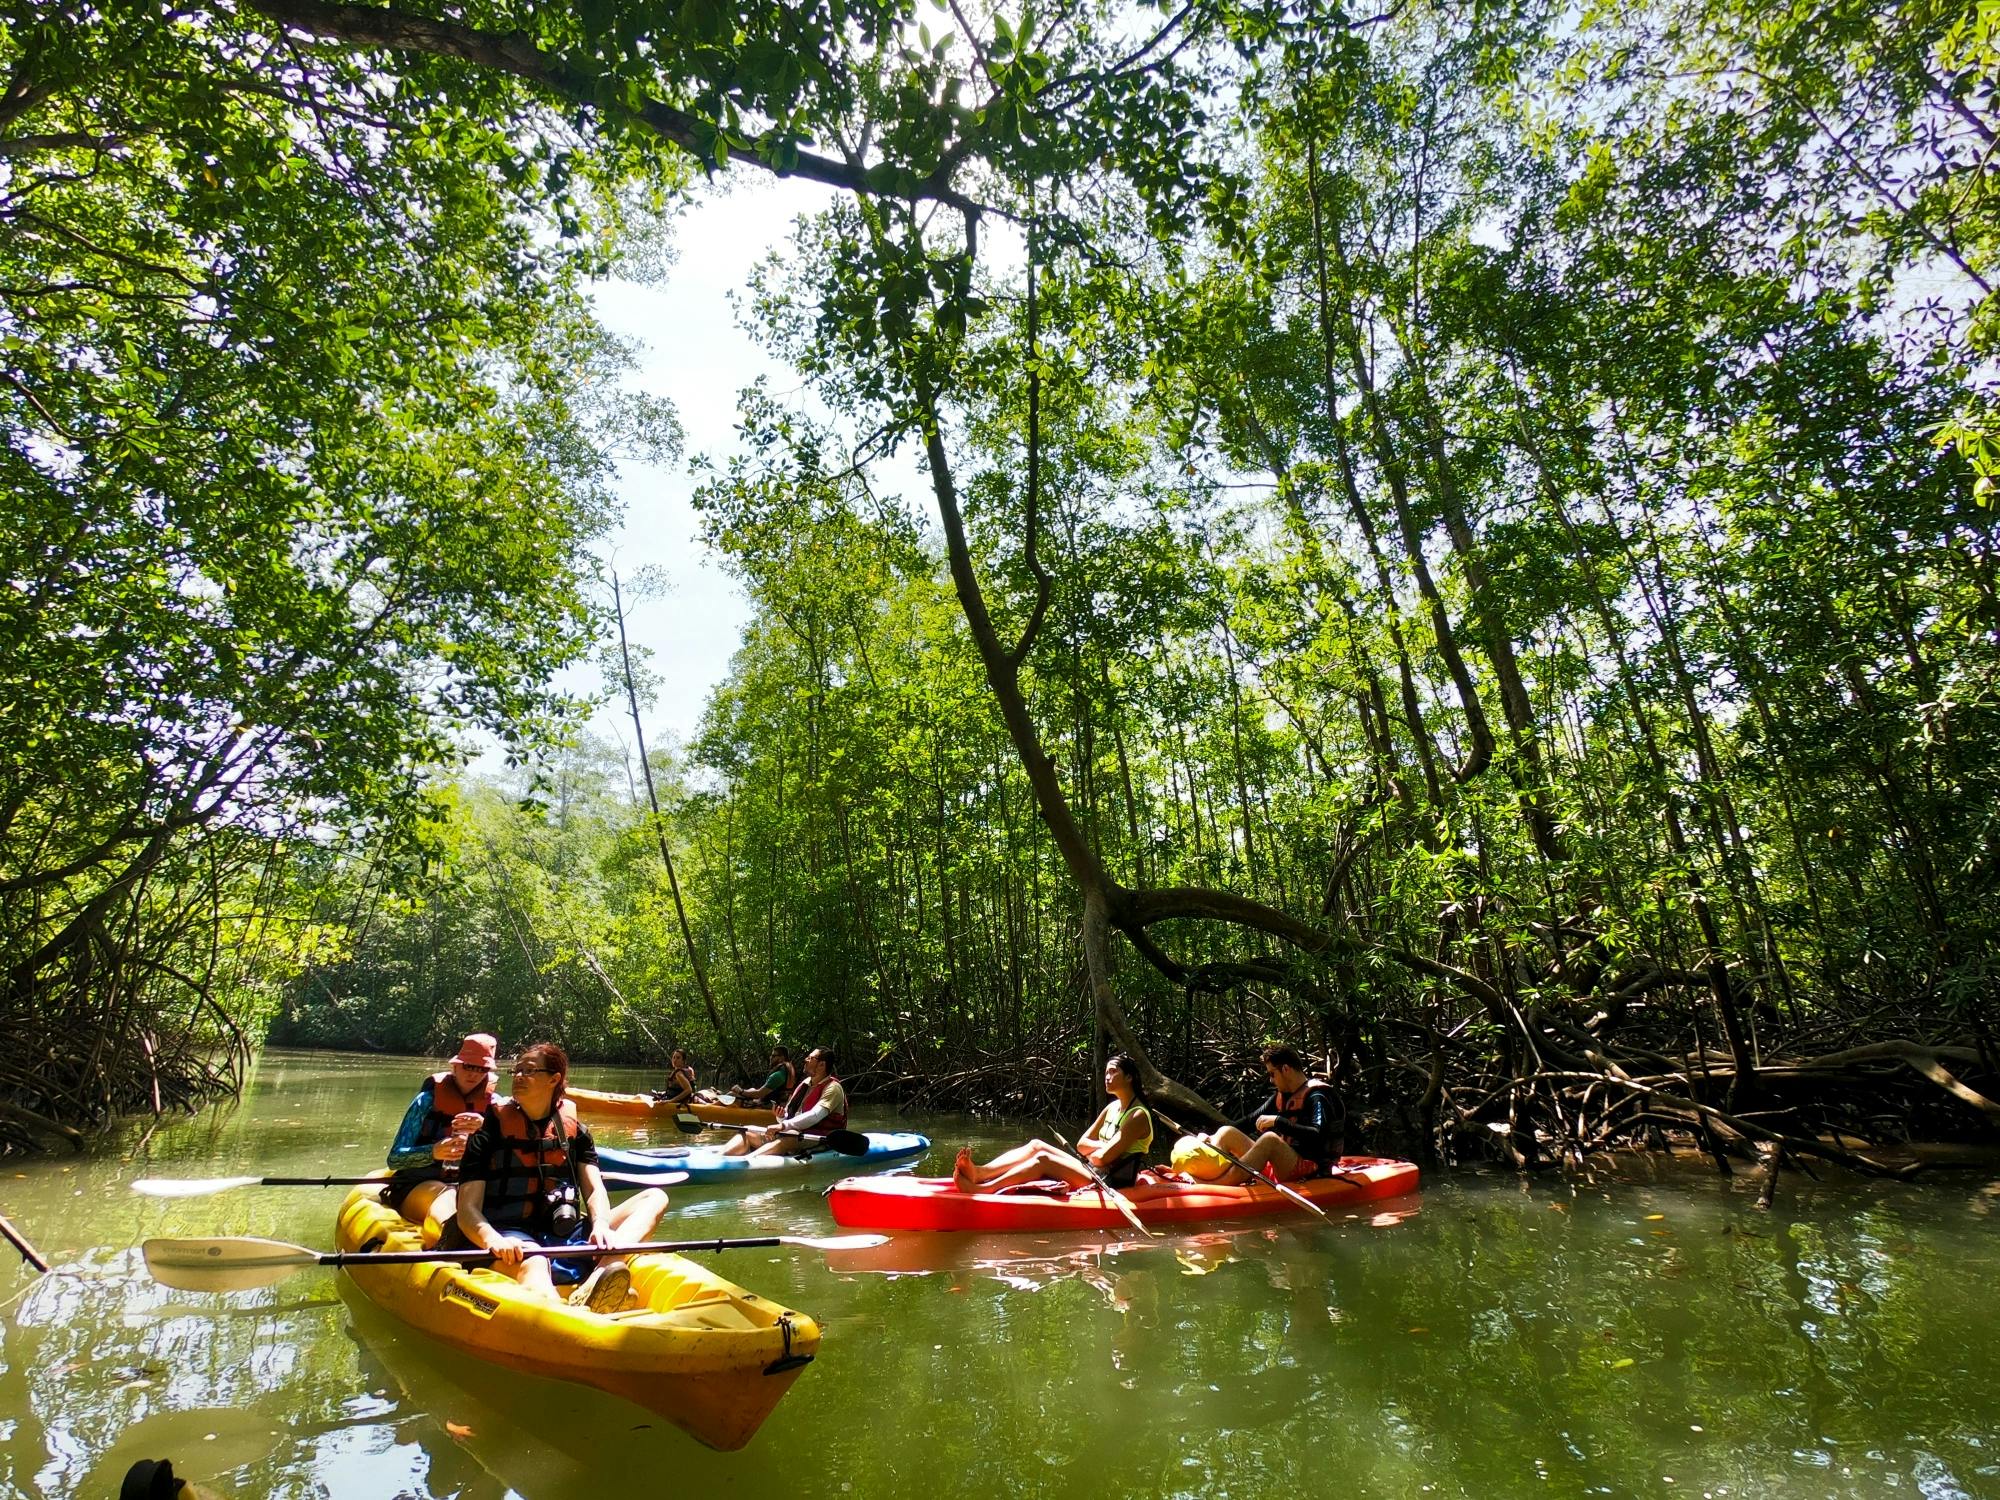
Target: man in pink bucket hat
{"x":449,"y":1106}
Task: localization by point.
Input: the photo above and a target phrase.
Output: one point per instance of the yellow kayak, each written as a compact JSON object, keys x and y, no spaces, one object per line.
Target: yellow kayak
{"x":594,"y":1104}
{"x":708,"y":1356}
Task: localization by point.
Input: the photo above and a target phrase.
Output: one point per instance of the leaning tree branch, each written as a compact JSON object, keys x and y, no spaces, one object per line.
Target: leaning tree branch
{"x":1142,"y":908}
{"x":516,"y":54}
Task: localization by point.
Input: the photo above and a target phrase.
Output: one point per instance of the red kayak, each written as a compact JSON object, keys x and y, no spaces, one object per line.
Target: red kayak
{"x":1162,"y":1198}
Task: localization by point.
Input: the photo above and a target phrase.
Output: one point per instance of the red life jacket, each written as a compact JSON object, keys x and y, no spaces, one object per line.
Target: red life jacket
{"x":797,"y":1106}
{"x":534,"y":1164}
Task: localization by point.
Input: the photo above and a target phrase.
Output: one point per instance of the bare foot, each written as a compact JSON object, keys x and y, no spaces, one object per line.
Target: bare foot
{"x":964,"y":1174}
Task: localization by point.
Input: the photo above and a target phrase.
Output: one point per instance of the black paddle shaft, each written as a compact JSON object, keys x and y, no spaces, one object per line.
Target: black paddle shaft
{"x":566,"y":1252}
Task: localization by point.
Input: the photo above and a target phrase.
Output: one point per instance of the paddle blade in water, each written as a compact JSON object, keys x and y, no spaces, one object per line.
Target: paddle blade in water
{"x":837,"y":1241}
{"x":231,"y":1265}
{"x":190,"y":1187}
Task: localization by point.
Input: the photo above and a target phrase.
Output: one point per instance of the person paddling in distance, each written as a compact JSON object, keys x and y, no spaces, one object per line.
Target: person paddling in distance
{"x":680,"y":1080}
{"x":1118,"y":1143}
{"x":818,"y":1106}
{"x":529,"y":1177}
{"x":779,"y":1084}
{"x":448,"y":1108}
{"x":1300,"y":1129}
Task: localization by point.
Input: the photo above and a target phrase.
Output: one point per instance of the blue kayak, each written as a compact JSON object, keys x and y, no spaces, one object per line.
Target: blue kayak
{"x":708,"y":1164}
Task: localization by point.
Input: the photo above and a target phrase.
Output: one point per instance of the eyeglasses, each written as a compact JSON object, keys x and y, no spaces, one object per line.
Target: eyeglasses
{"x":522,"y":1070}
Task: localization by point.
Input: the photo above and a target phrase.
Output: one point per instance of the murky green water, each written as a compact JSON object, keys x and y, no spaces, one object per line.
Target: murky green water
{"x":1656,"y":1336}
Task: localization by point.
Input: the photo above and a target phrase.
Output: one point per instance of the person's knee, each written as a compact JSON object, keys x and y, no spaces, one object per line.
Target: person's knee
{"x":645,"y":1210}
{"x":1278,"y":1151}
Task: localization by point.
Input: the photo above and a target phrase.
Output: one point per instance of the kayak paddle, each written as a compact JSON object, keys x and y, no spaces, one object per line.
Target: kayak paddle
{"x":202,"y":1187}
{"x":1255,"y":1176}
{"x":1118,"y":1200}
{"x":845,"y":1142}
{"x":238,"y":1264}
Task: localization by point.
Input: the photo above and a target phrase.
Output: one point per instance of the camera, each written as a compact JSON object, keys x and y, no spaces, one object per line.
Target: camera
{"x":560,"y":1201}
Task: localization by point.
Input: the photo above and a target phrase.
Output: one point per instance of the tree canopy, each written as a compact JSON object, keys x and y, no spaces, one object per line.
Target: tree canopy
{"x":1462,"y":527}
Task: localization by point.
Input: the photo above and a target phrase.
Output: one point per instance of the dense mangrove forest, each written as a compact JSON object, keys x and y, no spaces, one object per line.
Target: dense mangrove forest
{"x":1460,"y":534}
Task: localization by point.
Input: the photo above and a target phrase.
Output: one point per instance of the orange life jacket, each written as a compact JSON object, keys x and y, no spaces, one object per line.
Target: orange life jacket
{"x":447,"y":1100}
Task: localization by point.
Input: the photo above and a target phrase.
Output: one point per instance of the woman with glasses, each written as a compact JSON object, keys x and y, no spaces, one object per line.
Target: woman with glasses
{"x":1118,"y":1143}
{"x":449,"y":1106}
{"x":530,"y":1177}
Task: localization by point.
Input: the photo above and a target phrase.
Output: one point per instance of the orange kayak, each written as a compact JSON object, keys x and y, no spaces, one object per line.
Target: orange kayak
{"x":594,"y":1105}
{"x":1158,"y":1198}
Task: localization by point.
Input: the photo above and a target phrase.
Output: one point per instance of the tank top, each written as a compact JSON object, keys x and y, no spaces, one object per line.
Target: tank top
{"x":1115,"y":1120}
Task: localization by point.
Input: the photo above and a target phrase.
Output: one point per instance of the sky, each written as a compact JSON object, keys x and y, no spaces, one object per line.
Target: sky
{"x":695,"y":353}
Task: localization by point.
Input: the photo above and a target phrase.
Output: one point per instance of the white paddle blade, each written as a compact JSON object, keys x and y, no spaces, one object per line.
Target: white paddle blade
{"x":836,"y":1241}
{"x":644,"y":1179}
{"x":190,"y":1187}
{"x":232,"y":1265}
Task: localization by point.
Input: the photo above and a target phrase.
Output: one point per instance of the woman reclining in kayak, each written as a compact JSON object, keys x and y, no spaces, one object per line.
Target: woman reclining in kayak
{"x":529,"y":1177}
{"x":1300,"y":1128}
{"x":1116,"y":1143}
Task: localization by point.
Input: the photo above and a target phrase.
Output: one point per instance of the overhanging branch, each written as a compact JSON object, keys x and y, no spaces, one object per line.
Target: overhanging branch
{"x":515,"y":53}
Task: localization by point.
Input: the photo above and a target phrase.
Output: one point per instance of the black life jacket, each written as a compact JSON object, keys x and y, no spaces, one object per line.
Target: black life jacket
{"x":1336,"y":1114}
{"x":534,"y":1168}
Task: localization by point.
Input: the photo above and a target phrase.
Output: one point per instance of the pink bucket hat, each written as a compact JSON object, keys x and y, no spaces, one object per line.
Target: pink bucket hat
{"x":477,"y":1051}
